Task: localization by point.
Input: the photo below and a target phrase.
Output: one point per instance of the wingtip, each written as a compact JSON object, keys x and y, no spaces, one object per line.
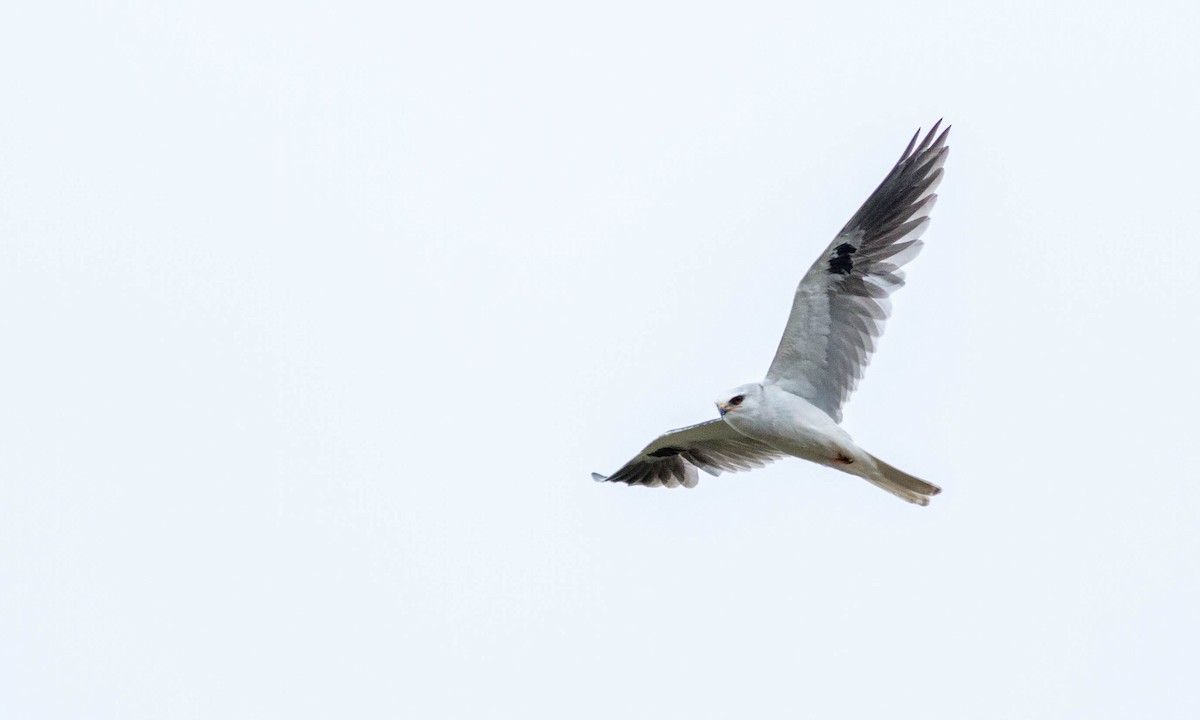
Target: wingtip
{"x":928,"y":142}
{"x":911,"y":144}
{"x":941,"y":139}
{"x":598,"y":477}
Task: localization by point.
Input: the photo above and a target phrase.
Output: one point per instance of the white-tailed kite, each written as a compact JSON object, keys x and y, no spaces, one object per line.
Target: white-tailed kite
{"x":838,"y":312}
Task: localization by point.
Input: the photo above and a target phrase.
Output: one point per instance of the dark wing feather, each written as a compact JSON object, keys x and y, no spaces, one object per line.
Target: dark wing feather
{"x":674,"y":458}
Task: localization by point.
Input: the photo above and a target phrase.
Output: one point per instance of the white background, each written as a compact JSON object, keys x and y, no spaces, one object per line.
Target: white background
{"x":316,"y":317}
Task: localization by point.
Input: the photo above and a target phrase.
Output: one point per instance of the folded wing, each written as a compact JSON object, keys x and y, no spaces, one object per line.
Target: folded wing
{"x":842,"y":302}
{"x":674,"y":458}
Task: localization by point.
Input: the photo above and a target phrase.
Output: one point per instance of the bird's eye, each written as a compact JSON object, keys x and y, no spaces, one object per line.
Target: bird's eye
{"x":736,"y":400}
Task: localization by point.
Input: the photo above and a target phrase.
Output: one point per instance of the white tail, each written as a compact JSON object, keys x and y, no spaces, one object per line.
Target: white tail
{"x":901,"y":484}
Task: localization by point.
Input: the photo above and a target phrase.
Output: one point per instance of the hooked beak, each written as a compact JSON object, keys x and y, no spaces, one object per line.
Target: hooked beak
{"x":723,"y":408}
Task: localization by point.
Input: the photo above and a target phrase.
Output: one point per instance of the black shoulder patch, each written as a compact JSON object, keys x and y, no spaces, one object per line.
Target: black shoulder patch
{"x":840,"y":263}
{"x":666,"y":452}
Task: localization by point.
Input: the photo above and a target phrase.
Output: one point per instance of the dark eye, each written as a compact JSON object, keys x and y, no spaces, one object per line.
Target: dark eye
{"x":736,"y":400}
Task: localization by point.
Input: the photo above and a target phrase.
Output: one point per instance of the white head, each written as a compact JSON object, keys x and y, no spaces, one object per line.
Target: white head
{"x":740,"y":399}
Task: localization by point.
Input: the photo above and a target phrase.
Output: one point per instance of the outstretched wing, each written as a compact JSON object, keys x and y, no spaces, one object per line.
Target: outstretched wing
{"x":673,"y":458}
{"x":841,"y":304}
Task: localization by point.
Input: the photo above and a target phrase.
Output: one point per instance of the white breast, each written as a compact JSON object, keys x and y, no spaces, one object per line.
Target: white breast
{"x":793,"y":425}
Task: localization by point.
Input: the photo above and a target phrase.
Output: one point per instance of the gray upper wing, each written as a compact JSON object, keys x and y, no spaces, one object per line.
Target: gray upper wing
{"x":842,"y":302}
{"x":673,"y":459}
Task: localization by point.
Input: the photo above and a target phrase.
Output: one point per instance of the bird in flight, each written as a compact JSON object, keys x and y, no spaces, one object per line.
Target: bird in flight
{"x":838,"y":312}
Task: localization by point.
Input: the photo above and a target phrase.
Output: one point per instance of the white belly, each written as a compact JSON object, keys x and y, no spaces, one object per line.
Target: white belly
{"x":797,"y":427}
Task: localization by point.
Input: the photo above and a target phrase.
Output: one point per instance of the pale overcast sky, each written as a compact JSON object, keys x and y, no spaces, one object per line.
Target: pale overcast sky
{"x":317,"y":317}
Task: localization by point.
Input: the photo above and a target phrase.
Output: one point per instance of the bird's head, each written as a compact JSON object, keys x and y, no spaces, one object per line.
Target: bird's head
{"x":740,"y":399}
